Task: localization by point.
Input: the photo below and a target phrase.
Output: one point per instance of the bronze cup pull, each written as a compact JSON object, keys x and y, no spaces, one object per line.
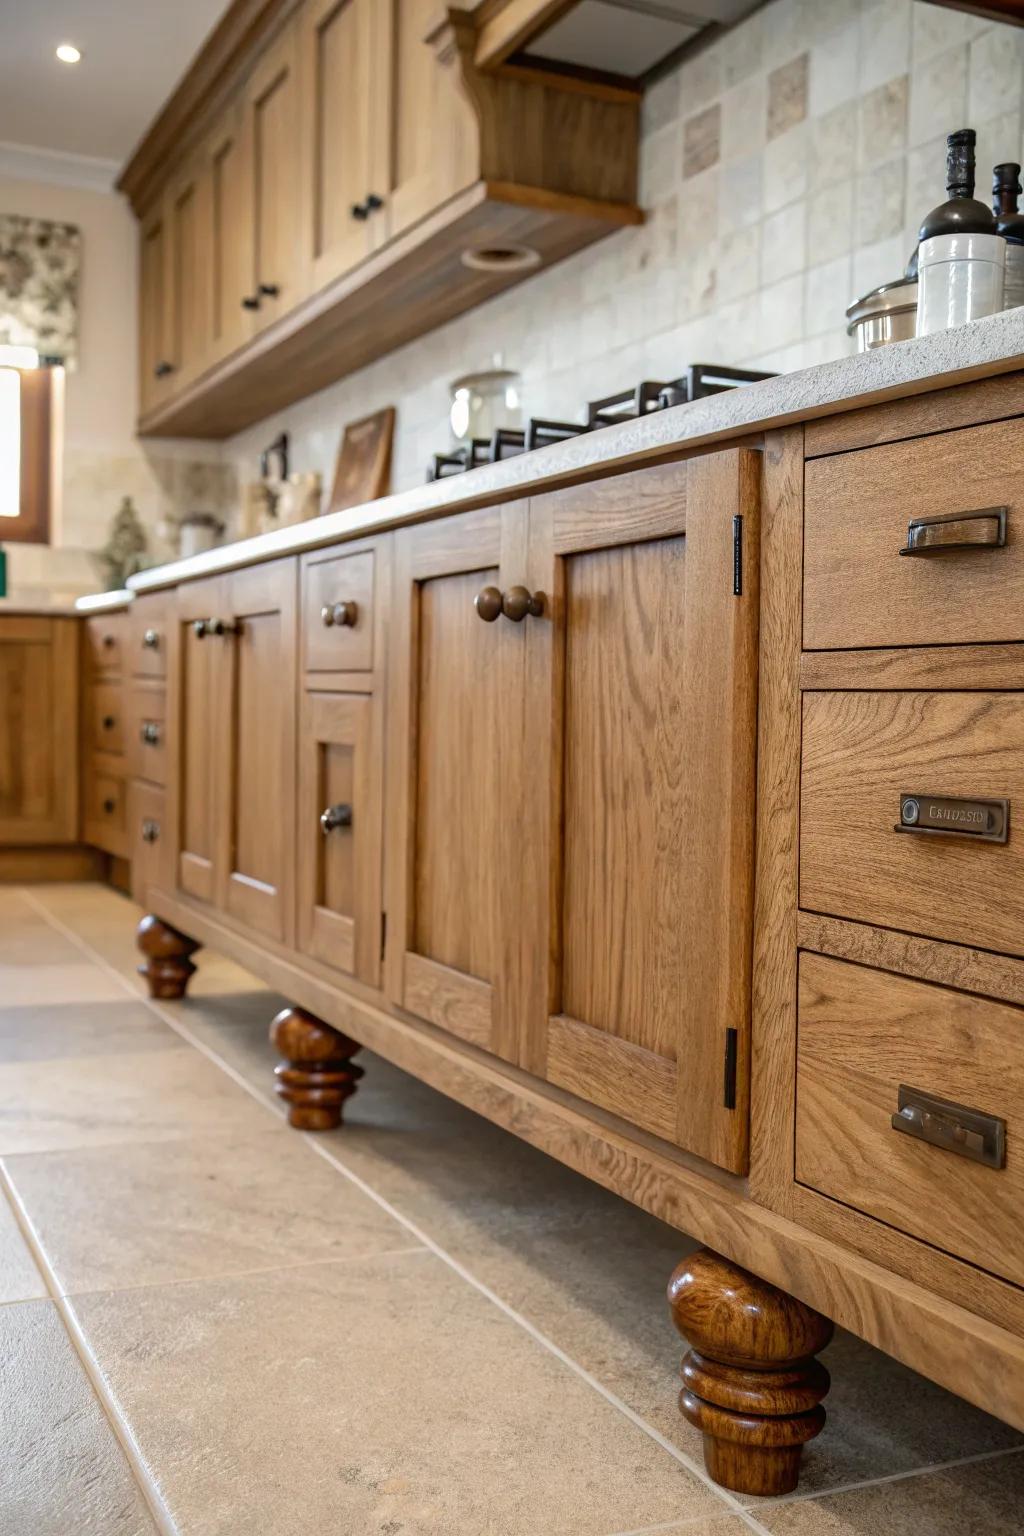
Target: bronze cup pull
{"x":983,"y":529}
{"x":342,"y":614}
{"x":517,"y":602}
{"x":488,"y":603}
{"x":335,"y":816}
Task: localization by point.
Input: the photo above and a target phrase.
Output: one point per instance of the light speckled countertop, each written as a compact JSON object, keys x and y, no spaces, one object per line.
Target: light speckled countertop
{"x":982,"y":348}
{"x":10,"y":608}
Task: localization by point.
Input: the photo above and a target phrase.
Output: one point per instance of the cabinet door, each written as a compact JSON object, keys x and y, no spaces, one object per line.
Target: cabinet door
{"x":455,"y":710}
{"x":342,"y":133}
{"x":156,"y":363}
{"x":38,"y":730}
{"x":188,"y":223}
{"x":272,"y":129}
{"x":339,"y":832}
{"x":418,"y":83}
{"x":231,"y":234}
{"x":259,"y":648}
{"x":643,"y":821}
{"x":197,"y":703}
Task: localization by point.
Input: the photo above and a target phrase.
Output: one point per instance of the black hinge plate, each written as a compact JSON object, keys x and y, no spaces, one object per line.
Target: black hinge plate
{"x":737,"y":555}
{"x":731,"y":1049}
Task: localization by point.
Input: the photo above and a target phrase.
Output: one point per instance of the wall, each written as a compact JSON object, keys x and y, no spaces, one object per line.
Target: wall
{"x":785,"y":170}
{"x":102,"y":461}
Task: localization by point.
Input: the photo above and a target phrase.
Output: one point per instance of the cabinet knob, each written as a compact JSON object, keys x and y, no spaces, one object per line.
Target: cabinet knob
{"x":150,"y":734}
{"x":151,"y":640}
{"x":373,"y":202}
{"x":109,"y":806}
{"x":150,"y":831}
{"x":109,"y":641}
{"x":341,"y":614}
{"x":162,"y":370}
{"x":224,"y":627}
{"x":202,"y":627}
{"x":360,"y":211}
{"x":251,"y":301}
{"x":109,"y":721}
{"x":270,"y":290}
{"x":517,"y":602}
{"x":335,"y":816}
{"x":488,"y":604}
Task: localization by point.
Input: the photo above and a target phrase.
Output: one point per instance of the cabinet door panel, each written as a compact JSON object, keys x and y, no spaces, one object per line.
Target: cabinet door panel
{"x":196,"y":704}
{"x":260,"y":658}
{"x":38,"y":730}
{"x":231,"y":236}
{"x":273,"y":126}
{"x":338,"y":107}
{"x":453,"y":681}
{"x":190,"y":275}
{"x":339,"y":916}
{"x":155,"y":341}
{"x":646,"y":823}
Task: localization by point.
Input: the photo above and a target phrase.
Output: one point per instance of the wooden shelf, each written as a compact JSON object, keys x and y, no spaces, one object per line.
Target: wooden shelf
{"x":413,"y":285}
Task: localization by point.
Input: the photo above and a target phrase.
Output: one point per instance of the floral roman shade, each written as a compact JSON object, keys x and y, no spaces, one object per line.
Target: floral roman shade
{"x":39,"y":268}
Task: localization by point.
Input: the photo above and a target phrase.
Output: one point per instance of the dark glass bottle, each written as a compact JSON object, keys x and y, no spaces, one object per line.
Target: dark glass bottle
{"x":1005,"y":192}
{"x":962,"y":213}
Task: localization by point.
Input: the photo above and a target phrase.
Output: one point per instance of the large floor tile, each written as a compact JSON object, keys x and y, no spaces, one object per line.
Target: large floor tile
{"x":98,"y":1100}
{"x":20,"y":1280}
{"x":62,"y":1472}
{"x":34,"y":942}
{"x":160,"y":1211}
{"x":76,"y":981}
{"x":982,"y":1498}
{"x":381,"y":1396}
{"x":87,"y":1029}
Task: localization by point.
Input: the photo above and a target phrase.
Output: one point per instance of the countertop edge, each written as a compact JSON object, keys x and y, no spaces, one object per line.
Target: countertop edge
{"x":982,"y":348}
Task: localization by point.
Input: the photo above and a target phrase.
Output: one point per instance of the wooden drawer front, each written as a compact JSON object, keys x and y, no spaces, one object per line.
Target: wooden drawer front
{"x":147,"y":733}
{"x":861,"y":751}
{"x":106,"y":717}
{"x":859,"y":591}
{"x":326,"y":583}
{"x":339,"y":916}
{"x":862,"y":1034}
{"x":105,"y":636}
{"x":146,"y":834}
{"x":105,"y":813}
{"x":148,"y":636}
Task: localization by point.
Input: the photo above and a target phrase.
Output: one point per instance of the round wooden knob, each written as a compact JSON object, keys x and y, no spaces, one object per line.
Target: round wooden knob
{"x":519,"y":601}
{"x":488,"y":604}
{"x":109,"y":722}
{"x":342,"y":614}
{"x":109,"y":806}
{"x":109,"y":641}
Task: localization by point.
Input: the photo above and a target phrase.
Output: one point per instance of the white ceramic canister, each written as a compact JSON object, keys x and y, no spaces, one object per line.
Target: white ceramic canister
{"x":960,"y":278}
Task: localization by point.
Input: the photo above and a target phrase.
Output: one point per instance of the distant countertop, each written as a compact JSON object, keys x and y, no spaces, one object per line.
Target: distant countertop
{"x":104,"y":602}
{"x":10,"y":608}
{"x":979,"y":349}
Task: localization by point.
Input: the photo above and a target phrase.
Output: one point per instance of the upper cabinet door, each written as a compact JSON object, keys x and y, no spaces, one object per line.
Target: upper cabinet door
{"x":643,"y":822}
{"x":231,"y":233}
{"x":417,"y":83}
{"x":259,"y":646}
{"x":188,"y":222}
{"x":341,"y":134}
{"x":156,"y":363}
{"x":455,"y":693}
{"x":272,"y":124}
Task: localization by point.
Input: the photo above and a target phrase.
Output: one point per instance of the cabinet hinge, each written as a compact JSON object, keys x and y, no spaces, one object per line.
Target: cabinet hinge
{"x":737,"y":555}
{"x":383,"y":934}
{"x":731,"y":1046}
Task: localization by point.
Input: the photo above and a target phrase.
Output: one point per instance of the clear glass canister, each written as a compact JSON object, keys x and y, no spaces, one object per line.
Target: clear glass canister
{"x":481,"y":402}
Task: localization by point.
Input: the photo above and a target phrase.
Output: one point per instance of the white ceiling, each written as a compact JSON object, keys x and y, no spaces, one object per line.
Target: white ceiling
{"x":133,"y":54}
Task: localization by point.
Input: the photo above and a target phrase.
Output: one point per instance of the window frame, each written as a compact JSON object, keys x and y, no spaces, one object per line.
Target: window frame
{"x":32,"y":525}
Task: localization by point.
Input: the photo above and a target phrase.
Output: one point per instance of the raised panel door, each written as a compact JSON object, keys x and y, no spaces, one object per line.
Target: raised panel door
{"x":456,"y":688}
{"x":197,"y":703}
{"x":645,"y":662}
{"x":274,"y":150}
{"x":189,"y":224}
{"x":260,"y":659}
{"x":156,"y":363}
{"x":231,"y":234}
{"x":38,"y":730}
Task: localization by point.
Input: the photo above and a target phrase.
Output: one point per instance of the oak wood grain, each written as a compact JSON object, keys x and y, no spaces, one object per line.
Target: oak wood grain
{"x":39,"y":731}
{"x":937,"y":410}
{"x":927,"y":666}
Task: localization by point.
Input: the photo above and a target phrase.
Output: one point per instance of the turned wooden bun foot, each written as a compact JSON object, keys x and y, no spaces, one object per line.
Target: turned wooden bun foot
{"x":168,"y":963}
{"x":751,"y":1384}
{"x":317,"y":1075}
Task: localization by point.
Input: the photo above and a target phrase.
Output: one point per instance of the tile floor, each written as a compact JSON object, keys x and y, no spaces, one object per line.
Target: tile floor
{"x":416,"y":1326}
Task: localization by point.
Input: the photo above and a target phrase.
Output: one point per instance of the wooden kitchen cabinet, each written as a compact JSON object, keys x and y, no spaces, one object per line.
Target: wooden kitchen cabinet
{"x":156,"y":365}
{"x":231,"y":232}
{"x":39,"y":702}
{"x":278,"y":278}
{"x":189,"y":224}
{"x":197,"y":700}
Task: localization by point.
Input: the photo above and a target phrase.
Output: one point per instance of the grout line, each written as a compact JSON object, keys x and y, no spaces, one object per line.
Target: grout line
{"x":728,"y":1499}
{"x":687,"y":1524}
{"x":896,"y":1477}
{"x":119,"y":1424}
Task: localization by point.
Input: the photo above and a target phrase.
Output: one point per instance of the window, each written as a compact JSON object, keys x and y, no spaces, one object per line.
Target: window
{"x":26,"y":411}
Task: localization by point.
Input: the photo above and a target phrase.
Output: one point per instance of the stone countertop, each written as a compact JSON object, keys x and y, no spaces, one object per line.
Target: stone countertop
{"x":11,"y":608}
{"x":104,"y":602}
{"x":979,"y":349}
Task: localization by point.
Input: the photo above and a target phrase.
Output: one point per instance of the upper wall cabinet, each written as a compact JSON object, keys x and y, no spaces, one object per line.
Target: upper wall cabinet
{"x":338,"y":177}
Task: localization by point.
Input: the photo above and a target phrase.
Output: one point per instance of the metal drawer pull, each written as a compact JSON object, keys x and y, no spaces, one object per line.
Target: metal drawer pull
{"x":342,"y":614}
{"x":986,"y":821}
{"x":954,"y":1127}
{"x":109,"y":721}
{"x":335,"y":816}
{"x":151,"y":640}
{"x":150,"y":734}
{"x":150,"y":831}
{"x":984,"y":529}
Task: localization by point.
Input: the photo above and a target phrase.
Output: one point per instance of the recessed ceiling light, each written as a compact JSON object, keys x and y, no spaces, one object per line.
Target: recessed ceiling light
{"x":68,"y":53}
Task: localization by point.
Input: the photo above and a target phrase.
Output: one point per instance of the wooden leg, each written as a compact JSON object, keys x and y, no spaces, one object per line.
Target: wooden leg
{"x":750,"y":1381}
{"x":317,"y":1075}
{"x":168,"y":963}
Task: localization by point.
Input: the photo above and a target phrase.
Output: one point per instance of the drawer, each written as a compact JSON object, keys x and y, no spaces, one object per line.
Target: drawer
{"x":105,"y":635}
{"x":105,"y":820}
{"x":148,"y":636}
{"x":860,"y":753}
{"x":146,"y":820}
{"x":329,"y":645}
{"x":105,"y":719}
{"x":147,"y":741}
{"x":858,"y":589}
{"x":863,"y":1034}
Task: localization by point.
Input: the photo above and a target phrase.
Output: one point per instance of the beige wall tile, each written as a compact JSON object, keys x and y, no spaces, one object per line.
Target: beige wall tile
{"x":702,"y":140}
{"x":787,"y":96}
{"x":783,"y":243}
{"x":938,"y":95}
{"x":830,"y":221}
{"x":882,"y":122}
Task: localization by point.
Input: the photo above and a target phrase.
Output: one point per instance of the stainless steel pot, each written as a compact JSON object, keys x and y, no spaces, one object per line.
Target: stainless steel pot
{"x":887,"y":313}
